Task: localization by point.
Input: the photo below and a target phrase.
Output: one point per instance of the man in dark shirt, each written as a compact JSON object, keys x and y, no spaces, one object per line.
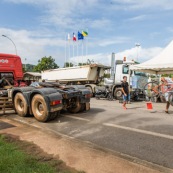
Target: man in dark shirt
{"x":125,"y":90}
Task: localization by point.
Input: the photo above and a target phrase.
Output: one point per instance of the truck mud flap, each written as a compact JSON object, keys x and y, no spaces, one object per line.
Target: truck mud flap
{"x":87,"y":106}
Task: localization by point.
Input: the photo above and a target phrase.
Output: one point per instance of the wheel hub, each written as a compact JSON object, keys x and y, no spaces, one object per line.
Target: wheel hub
{"x":40,"y":107}
{"x":119,"y":93}
{"x":21,"y":104}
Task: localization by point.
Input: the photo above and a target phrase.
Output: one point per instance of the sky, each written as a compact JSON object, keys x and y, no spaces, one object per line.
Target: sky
{"x":39,"y":28}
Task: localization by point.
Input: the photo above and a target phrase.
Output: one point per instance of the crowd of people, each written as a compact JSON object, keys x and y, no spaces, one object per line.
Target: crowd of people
{"x":166,"y":90}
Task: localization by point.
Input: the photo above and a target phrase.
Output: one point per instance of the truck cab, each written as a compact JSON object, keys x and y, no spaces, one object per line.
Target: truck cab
{"x":121,"y":68}
{"x":10,"y":67}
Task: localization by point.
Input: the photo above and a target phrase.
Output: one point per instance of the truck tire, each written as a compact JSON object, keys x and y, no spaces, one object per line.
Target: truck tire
{"x":118,"y":93}
{"x":75,"y":109}
{"x":39,"y":108}
{"x":20,"y":105}
{"x":53,"y":115}
{"x":83,"y":107}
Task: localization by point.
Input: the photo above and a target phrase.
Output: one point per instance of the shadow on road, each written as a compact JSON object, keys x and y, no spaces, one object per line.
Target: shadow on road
{"x":86,"y":114}
{"x":97,"y":110}
{"x":91,"y":112}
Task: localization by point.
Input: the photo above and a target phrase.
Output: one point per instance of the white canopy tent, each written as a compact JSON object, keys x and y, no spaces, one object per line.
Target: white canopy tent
{"x":161,"y":64}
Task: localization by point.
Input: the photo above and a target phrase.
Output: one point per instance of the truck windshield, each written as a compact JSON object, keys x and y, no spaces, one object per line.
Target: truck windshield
{"x":125,"y":69}
{"x":140,"y":74}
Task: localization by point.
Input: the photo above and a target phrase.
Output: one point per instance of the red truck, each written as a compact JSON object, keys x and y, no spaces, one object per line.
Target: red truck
{"x":42,"y":99}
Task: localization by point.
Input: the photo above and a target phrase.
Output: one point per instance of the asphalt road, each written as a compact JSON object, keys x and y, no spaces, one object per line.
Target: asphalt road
{"x":137,"y":132}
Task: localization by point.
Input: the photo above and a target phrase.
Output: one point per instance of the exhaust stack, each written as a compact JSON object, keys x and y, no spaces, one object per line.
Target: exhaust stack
{"x":113,"y":67}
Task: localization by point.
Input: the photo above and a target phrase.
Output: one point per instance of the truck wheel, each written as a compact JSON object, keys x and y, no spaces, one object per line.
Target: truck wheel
{"x":53,"y":115}
{"x":118,"y":93}
{"x":83,"y":107}
{"x":39,"y":108}
{"x":20,"y":105}
{"x":75,"y":109}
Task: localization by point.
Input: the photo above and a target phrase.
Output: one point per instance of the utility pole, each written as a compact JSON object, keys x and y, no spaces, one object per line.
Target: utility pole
{"x":137,"y":47}
{"x":11,"y":41}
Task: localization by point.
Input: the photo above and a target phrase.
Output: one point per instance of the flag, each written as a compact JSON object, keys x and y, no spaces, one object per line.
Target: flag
{"x":80,"y":36}
{"x":68,"y":37}
{"x":74,"y":37}
{"x":84,"y":33}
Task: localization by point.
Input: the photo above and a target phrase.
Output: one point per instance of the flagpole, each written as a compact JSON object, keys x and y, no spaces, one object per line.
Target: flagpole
{"x":82,"y":52}
{"x":86,"y":47}
{"x":77,"y":55}
{"x":69,"y":53}
{"x":87,"y":44}
{"x":65,"y":52}
{"x":77,"y":51}
{"x":73,"y":49}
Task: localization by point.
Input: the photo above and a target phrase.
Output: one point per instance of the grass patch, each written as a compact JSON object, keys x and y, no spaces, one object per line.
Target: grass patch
{"x":22,"y":157}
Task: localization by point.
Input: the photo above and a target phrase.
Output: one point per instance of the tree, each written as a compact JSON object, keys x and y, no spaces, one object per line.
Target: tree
{"x":45,"y":63}
{"x":81,"y":64}
{"x":67,"y":64}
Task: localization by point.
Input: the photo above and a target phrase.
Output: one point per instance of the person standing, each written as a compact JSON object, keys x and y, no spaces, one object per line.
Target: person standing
{"x":165,"y":89}
{"x":125,"y":91}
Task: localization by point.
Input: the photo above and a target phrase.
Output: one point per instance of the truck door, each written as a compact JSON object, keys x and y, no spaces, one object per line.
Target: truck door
{"x":125,"y":71}
{"x":121,"y":70}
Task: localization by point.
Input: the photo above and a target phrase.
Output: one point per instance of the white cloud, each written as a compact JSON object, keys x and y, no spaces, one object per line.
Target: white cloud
{"x":144,"y":54}
{"x":30,"y":47}
{"x":170,"y":29}
{"x":64,"y":14}
{"x":138,"y":18}
{"x":100,"y":23}
{"x":117,"y":40}
{"x":134,"y":4}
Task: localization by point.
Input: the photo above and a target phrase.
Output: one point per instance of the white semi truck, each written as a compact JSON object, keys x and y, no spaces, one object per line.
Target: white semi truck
{"x":120,"y":68}
{"x":89,"y":75}
{"x":92,"y":75}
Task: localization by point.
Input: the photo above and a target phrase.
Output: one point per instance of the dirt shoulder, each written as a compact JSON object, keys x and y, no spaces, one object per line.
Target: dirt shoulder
{"x":74,"y":153}
{"x":29,"y":157}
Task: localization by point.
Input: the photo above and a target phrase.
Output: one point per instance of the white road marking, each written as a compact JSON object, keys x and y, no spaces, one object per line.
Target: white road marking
{"x":77,"y":118}
{"x":139,"y":131}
